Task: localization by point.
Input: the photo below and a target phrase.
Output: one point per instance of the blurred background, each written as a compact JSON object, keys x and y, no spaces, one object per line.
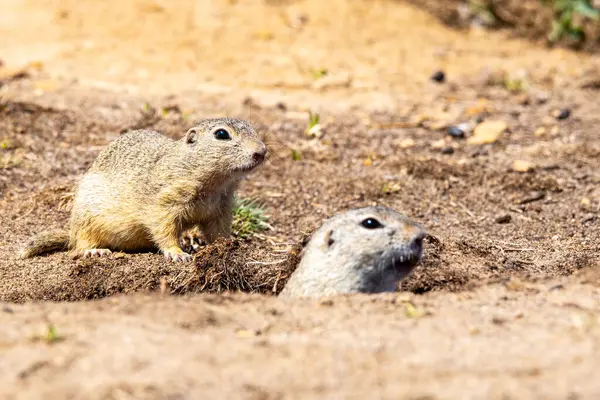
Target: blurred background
{"x":372,"y":52}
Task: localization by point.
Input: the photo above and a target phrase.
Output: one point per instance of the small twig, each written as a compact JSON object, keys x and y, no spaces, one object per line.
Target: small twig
{"x":499,"y":248}
{"x":503,"y":249}
{"x":163,"y":285}
{"x":284,"y":243}
{"x":511,"y":244}
{"x":465,"y":209}
{"x":265,"y":263}
{"x":276,"y":282}
{"x":268,"y":226}
{"x":519,"y":249}
{"x":29,"y":211}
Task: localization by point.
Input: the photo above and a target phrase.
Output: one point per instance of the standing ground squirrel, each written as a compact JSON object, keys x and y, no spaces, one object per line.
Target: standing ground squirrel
{"x":144,"y":189}
{"x":365,"y":250}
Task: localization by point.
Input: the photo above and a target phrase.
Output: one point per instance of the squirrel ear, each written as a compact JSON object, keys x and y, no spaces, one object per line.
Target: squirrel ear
{"x":191,"y":135}
{"x":329,"y":240}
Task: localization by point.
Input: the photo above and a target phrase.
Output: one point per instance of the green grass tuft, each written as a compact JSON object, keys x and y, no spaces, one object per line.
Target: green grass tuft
{"x":565,"y":23}
{"x":318,"y":73}
{"x":51,"y":335}
{"x":248,"y":218}
{"x":313,"y":120}
{"x":313,"y":128}
{"x":515,"y":85}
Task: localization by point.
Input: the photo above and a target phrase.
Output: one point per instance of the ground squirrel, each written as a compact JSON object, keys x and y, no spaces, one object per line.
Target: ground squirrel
{"x":144,"y":189}
{"x":365,"y":250}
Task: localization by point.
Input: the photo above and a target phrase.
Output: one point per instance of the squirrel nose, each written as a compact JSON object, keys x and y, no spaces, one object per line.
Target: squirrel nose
{"x":415,"y":235}
{"x":416,"y":244}
{"x":259,"y":155}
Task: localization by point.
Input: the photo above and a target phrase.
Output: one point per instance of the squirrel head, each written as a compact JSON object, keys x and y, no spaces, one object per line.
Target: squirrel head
{"x":365,"y":250}
{"x":232,"y":145}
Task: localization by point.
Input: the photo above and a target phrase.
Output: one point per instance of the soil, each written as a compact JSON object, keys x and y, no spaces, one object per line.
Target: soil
{"x":505,"y":304}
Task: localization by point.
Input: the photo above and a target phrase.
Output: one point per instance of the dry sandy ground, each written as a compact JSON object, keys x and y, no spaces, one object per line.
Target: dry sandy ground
{"x":494,"y":343}
{"x":497,"y":310}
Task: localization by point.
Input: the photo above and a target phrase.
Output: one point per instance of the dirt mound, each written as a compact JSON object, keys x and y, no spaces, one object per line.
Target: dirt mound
{"x":222,"y":266}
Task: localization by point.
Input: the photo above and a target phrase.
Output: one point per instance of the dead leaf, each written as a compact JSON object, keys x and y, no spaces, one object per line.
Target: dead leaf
{"x":391,"y":187}
{"x":413,"y":312}
{"x":479,"y":108}
{"x":10,"y":74}
{"x":264,"y":35}
{"x":46,"y":85}
{"x":244,"y":333}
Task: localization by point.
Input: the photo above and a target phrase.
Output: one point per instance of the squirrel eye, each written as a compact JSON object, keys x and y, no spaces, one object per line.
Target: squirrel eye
{"x":222,"y":134}
{"x":371,"y":223}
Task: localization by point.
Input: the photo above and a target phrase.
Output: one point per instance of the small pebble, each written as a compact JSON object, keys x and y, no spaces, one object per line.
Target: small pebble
{"x":556,"y":287}
{"x":480,"y":117}
{"x":550,"y":167}
{"x":541,"y":131}
{"x":503,"y":219}
{"x":562,"y":114}
{"x":533,"y":196}
{"x":588,"y":218}
{"x":439,"y":77}
{"x":8,"y":310}
{"x":478,"y":152}
{"x":585,"y":202}
{"x":542,"y":98}
{"x":489,"y":131}
{"x":523,"y":99}
{"x":522,"y":166}
{"x":456,"y":132}
{"x":447,"y":150}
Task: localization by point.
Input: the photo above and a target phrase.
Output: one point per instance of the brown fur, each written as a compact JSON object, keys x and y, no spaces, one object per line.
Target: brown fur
{"x":46,"y":242}
{"x":144,"y":189}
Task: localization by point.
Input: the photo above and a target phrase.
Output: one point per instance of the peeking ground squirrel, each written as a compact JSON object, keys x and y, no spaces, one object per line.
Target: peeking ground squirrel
{"x":365,"y":250}
{"x":144,"y":189}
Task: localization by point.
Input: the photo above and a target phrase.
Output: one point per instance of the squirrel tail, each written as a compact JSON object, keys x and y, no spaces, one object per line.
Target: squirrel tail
{"x":46,"y":242}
